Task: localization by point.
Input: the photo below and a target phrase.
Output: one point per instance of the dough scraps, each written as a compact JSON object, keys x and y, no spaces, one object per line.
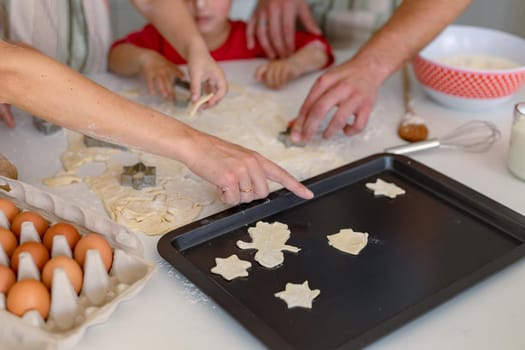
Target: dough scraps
{"x":298,"y":295}
{"x":231,"y":267}
{"x":383,"y":188}
{"x":348,"y":241}
{"x":269,"y":240}
{"x":249,"y":117}
{"x":194,"y":107}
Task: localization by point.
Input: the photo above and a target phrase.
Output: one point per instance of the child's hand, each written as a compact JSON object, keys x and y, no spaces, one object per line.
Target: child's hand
{"x":159,"y":73}
{"x":6,"y":115}
{"x":276,"y":73}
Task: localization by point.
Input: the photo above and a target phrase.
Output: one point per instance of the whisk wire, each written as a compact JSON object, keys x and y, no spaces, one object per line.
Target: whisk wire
{"x":473,"y":136}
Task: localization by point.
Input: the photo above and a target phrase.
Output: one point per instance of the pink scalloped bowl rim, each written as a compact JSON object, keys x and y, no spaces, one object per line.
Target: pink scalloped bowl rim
{"x":467,"y":83}
{"x":480,"y":84}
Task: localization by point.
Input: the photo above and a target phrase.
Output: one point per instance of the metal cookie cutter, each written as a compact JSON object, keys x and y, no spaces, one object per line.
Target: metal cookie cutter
{"x":45,"y":127}
{"x":139,"y":176}
{"x":93,"y":142}
{"x":284,"y":137}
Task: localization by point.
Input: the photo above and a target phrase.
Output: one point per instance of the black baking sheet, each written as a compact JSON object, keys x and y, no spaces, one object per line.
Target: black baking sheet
{"x":424,"y":247}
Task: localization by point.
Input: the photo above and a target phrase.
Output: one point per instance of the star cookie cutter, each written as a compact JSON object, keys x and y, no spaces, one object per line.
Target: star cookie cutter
{"x":93,"y":142}
{"x":139,"y":176}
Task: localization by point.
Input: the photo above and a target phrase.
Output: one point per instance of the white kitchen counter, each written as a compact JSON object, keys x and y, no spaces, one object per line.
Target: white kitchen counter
{"x":171,"y":313}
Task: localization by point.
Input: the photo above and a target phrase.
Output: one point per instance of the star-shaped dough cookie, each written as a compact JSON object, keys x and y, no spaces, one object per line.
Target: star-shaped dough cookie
{"x":231,"y":267}
{"x":298,"y":295}
{"x":348,"y":241}
{"x":269,"y":240}
{"x":383,"y":188}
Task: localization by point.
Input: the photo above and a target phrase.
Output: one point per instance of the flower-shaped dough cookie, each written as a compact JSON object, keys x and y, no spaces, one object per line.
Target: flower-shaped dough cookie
{"x":269,"y":240}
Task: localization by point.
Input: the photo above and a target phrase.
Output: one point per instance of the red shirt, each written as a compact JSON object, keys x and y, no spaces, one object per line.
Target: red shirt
{"x":234,"y":48}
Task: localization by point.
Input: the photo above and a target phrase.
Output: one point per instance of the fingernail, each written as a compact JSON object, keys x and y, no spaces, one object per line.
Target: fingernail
{"x":308,"y":194}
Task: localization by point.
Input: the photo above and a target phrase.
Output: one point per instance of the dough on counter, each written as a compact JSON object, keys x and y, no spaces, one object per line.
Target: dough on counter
{"x":248,"y":117}
{"x":298,"y":295}
{"x":348,"y":241}
{"x":269,"y":240}
{"x":383,"y":188}
{"x":231,"y":267}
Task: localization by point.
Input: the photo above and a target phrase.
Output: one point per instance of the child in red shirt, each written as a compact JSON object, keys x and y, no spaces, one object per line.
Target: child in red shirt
{"x":147,"y":52}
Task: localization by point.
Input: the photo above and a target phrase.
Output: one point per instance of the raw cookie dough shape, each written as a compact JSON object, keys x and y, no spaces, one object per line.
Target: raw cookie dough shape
{"x":269,"y":240}
{"x":194,"y":107}
{"x":348,"y":241}
{"x":298,"y":295}
{"x":231,"y":267}
{"x":383,"y":188}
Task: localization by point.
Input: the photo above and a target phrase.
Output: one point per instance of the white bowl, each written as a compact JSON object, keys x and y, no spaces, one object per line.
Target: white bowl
{"x":471,"y":88}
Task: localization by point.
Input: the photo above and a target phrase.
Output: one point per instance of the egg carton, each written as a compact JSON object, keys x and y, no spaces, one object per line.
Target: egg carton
{"x":70,"y":314}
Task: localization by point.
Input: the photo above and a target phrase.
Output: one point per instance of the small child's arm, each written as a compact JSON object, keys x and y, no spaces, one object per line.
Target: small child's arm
{"x":309,"y":58}
{"x":158,"y":72}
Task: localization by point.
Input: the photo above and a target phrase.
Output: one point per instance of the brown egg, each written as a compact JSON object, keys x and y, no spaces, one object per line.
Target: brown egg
{"x":94,"y":241}
{"x":38,"y":220}
{"x":9,"y":208}
{"x":70,"y":266}
{"x":27,"y":295}
{"x":61,"y":228}
{"x":8,"y":241}
{"x":37,"y":250}
{"x":7,"y":279}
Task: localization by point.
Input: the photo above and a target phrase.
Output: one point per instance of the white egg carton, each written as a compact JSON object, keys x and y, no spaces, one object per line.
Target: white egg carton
{"x":70,"y":315}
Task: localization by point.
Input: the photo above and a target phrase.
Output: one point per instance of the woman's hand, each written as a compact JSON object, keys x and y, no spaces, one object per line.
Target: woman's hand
{"x":240,"y":174}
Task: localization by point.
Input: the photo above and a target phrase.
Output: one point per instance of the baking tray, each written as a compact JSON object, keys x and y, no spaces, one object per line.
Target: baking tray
{"x":424,"y":247}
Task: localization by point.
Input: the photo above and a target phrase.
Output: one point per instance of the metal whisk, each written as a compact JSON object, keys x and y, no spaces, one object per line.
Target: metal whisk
{"x":474,"y":136}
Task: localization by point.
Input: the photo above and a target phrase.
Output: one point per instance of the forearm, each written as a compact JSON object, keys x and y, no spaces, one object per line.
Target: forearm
{"x":181,"y":33}
{"x":413,"y":25}
{"x":45,"y":88}
{"x":309,"y":58}
{"x":126,"y":59}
